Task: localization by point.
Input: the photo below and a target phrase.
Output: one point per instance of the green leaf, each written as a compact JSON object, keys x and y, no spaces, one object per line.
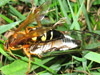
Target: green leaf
{"x":5,"y":18}
{"x":3,"y":2}
{"x":18,"y":67}
{"x":79,"y":59}
{"x":56,"y":67}
{"x":97,"y":32}
{"x":93,"y":56}
{"x":92,"y":45}
{"x":76,"y":24}
{"x":38,"y":62}
{"x":95,"y":73}
{"x":52,"y":53}
{"x":45,"y":67}
{"x":96,"y":2}
{"x":5,"y":53}
{"x":75,"y":18}
{"x":27,"y":1}
{"x":64,"y":12}
{"x":4,"y":28}
{"x":17,"y":13}
{"x":86,"y":16}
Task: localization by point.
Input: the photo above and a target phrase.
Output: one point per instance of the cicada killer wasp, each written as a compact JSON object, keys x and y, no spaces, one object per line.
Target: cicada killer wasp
{"x":38,"y":40}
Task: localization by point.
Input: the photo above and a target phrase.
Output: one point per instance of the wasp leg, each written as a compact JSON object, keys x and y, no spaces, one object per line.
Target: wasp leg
{"x":39,"y":56}
{"x":7,"y":48}
{"x":12,"y":54}
{"x":52,"y":44}
{"x":29,"y":64}
{"x":27,"y":28}
{"x":38,"y":21}
{"x":26,"y":50}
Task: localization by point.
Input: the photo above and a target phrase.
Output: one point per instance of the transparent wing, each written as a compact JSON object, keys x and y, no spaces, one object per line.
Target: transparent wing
{"x":37,"y":14}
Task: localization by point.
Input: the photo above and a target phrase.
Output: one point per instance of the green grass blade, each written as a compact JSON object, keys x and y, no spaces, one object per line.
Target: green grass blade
{"x":76,"y":18}
{"x":39,"y":63}
{"x":93,"y":56}
{"x":56,"y":67}
{"x":79,"y":59}
{"x":76,"y":25}
{"x":4,"y":28}
{"x":5,"y":53}
{"x":92,"y":45}
{"x":18,"y":67}
{"x":86,"y":16}
{"x":45,"y":67}
{"x":3,"y":2}
{"x":17,"y":13}
{"x":64,"y":12}
{"x":5,"y":18}
{"x":42,"y":62}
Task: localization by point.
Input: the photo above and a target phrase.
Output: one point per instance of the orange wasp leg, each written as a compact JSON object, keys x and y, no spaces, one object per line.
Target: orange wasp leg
{"x":26,"y":50}
{"x":12,"y":54}
{"x":8,"y":49}
{"x":52,"y":44}
{"x":27,"y":29}
{"x":39,"y":56}
{"x":38,"y":21}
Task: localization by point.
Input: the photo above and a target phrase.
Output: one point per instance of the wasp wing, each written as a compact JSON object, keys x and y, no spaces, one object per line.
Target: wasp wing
{"x":30,"y":35}
{"x":37,"y":14}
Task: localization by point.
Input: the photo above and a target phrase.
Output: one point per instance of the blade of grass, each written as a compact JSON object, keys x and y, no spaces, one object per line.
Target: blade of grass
{"x":4,"y":28}
{"x":53,"y":53}
{"x":5,"y":18}
{"x":84,"y":64}
{"x":64,"y":12}
{"x":17,"y":13}
{"x":5,"y":53}
{"x":92,"y":45}
{"x":45,"y":67}
{"x":3,"y":2}
{"x":86,"y":16}
{"x":19,"y":69}
{"x":56,"y":66}
{"x":93,"y":56}
{"x":65,"y":5}
{"x":79,"y":59}
{"x":40,"y":63}
{"x":73,"y":24}
{"x":3,"y":37}
{"x":76,"y":25}
{"x":22,"y":66}
{"x":56,"y":12}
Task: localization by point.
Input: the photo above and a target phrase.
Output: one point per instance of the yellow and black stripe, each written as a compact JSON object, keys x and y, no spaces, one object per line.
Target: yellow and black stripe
{"x":49,"y":36}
